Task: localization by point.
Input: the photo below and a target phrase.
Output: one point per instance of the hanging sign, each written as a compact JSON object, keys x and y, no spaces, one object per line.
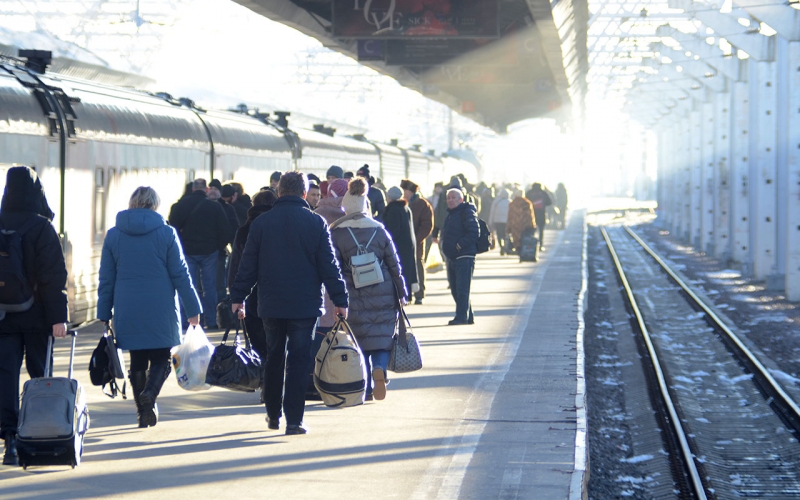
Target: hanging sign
{"x":415,"y":18}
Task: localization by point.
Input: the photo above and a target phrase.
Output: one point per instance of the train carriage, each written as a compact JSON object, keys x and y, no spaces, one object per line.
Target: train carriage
{"x":96,"y":143}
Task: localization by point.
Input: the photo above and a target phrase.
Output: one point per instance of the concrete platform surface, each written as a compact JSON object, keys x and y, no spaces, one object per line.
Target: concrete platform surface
{"x":495,"y":413}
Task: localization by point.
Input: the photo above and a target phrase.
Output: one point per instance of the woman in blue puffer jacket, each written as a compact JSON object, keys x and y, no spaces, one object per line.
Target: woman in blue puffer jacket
{"x":142,"y":273}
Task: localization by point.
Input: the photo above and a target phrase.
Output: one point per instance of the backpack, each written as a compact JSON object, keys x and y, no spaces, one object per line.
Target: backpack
{"x":16,"y":292}
{"x":484,"y":237}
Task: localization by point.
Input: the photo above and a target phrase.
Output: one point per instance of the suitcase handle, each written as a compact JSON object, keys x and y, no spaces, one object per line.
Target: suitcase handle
{"x":48,"y":364}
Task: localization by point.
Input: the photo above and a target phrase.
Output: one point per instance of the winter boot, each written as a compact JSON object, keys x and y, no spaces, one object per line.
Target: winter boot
{"x":138,"y":380}
{"x":10,"y":457}
{"x":156,"y":376}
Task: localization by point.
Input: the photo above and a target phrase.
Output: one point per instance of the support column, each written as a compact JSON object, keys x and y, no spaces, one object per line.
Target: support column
{"x":696,"y":177}
{"x":707,"y":179}
{"x":683,"y":182}
{"x":763,"y":168}
{"x":793,"y":173}
{"x":740,"y":152}
{"x":722,"y":188}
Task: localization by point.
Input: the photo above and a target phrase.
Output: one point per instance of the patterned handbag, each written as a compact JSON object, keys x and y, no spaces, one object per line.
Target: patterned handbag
{"x":406,"y":355}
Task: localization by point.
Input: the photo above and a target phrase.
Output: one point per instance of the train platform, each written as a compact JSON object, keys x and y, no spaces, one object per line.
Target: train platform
{"x":497,"y":412}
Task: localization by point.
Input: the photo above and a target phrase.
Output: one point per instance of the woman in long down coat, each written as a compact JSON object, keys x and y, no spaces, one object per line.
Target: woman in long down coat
{"x":520,"y":218}
{"x":373,"y":309}
{"x":399,"y":223}
{"x":142,"y":274}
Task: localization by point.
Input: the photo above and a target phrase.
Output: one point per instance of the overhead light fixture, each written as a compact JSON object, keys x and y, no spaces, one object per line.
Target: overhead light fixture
{"x":688,"y":53}
{"x":742,"y":54}
{"x":696,"y":58}
{"x":711,"y":40}
{"x":679,"y":69}
{"x":709,"y":31}
{"x":744,"y":22}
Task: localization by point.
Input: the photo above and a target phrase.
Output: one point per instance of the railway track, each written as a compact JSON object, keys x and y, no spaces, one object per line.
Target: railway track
{"x":729,"y":428}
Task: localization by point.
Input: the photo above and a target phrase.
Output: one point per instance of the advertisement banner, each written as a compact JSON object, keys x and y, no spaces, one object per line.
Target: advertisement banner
{"x":415,"y":18}
{"x":370,"y":50}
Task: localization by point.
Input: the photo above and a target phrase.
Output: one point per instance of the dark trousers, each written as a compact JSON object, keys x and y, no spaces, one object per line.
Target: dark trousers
{"x":222,"y":275}
{"x":33,"y":346}
{"x":420,"y":279}
{"x":150,"y":359}
{"x":500,"y":229}
{"x":541,"y":219}
{"x":459,"y":277}
{"x":255,"y":331}
{"x":288,"y":353}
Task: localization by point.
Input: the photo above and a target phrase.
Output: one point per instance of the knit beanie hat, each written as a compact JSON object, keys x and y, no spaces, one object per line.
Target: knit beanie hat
{"x":335,"y":171}
{"x":355,"y":200}
{"x":337,"y":188}
{"x":394,"y":193}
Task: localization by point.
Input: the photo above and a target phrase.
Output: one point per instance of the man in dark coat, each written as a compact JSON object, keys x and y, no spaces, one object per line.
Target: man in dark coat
{"x":459,"y":243}
{"x":227,"y":197}
{"x":289,"y":255}
{"x":540,"y":200}
{"x":398,"y":221}
{"x":241,"y":202}
{"x":204,"y":231}
{"x":422,"y":216}
{"x":24,"y":209}
{"x":376,"y":196}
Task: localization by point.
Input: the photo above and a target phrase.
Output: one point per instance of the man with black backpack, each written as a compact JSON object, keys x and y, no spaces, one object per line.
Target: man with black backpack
{"x":33,"y":294}
{"x":459,"y":242}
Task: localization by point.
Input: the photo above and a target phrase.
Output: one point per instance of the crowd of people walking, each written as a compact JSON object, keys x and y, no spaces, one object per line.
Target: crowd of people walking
{"x":283,"y":260}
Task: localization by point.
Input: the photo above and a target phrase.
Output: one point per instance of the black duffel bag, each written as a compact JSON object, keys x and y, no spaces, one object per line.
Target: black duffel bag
{"x":235,"y":367}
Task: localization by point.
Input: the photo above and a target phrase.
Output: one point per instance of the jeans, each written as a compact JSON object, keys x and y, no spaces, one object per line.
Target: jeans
{"x":459,"y":276}
{"x":294,"y":336}
{"x":500,"y":229}
{"x":205,"y":267}
{"x":373,"y":360}
{"x":33,"y":346}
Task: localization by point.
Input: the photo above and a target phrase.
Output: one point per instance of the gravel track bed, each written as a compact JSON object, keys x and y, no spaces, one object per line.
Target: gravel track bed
{"x":743,"y":446}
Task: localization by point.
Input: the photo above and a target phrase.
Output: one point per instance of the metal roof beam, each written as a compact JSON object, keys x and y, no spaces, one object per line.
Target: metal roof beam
{"x":711,"y":55}
{"x":704,"y":73}
{"x":779,"y":16}
{"x":726,"y":25}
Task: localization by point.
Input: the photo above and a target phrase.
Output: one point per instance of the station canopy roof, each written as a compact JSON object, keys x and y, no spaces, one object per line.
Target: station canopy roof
{"x":495,"y":61}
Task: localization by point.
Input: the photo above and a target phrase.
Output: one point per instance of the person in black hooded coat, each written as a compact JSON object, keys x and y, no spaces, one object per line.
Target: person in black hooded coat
{"x":262,"y":203}
{"x":24,"y":208}
{"x":397,"y":219}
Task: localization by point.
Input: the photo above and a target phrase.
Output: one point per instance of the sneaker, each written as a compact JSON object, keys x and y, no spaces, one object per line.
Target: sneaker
{"x":295,"y":429}
{"x":379,"y":389}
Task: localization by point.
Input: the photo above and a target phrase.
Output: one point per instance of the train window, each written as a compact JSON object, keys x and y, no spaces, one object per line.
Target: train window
{"x":99,"y":202}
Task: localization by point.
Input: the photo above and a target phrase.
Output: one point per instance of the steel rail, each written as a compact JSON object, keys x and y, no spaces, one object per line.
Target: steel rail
{"x":686,"y":451}
{"x":787,"y":407}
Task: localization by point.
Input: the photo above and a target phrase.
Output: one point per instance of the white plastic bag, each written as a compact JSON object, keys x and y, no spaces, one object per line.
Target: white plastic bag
{"x":434,"y":262}
{"x":190,"y":360}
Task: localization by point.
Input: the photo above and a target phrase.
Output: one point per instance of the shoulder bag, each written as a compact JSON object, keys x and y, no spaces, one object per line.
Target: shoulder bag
{"x":406,"y":355}
{"x":107,"y":365}
{"x":365,"y":266}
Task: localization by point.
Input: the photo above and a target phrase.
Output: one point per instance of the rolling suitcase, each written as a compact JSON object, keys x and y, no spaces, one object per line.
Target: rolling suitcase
{"x":53,"y":418}
{"x":529,"y":246}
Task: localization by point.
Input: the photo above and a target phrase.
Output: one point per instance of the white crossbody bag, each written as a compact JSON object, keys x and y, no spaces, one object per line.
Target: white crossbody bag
{"x":365,"y":266}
